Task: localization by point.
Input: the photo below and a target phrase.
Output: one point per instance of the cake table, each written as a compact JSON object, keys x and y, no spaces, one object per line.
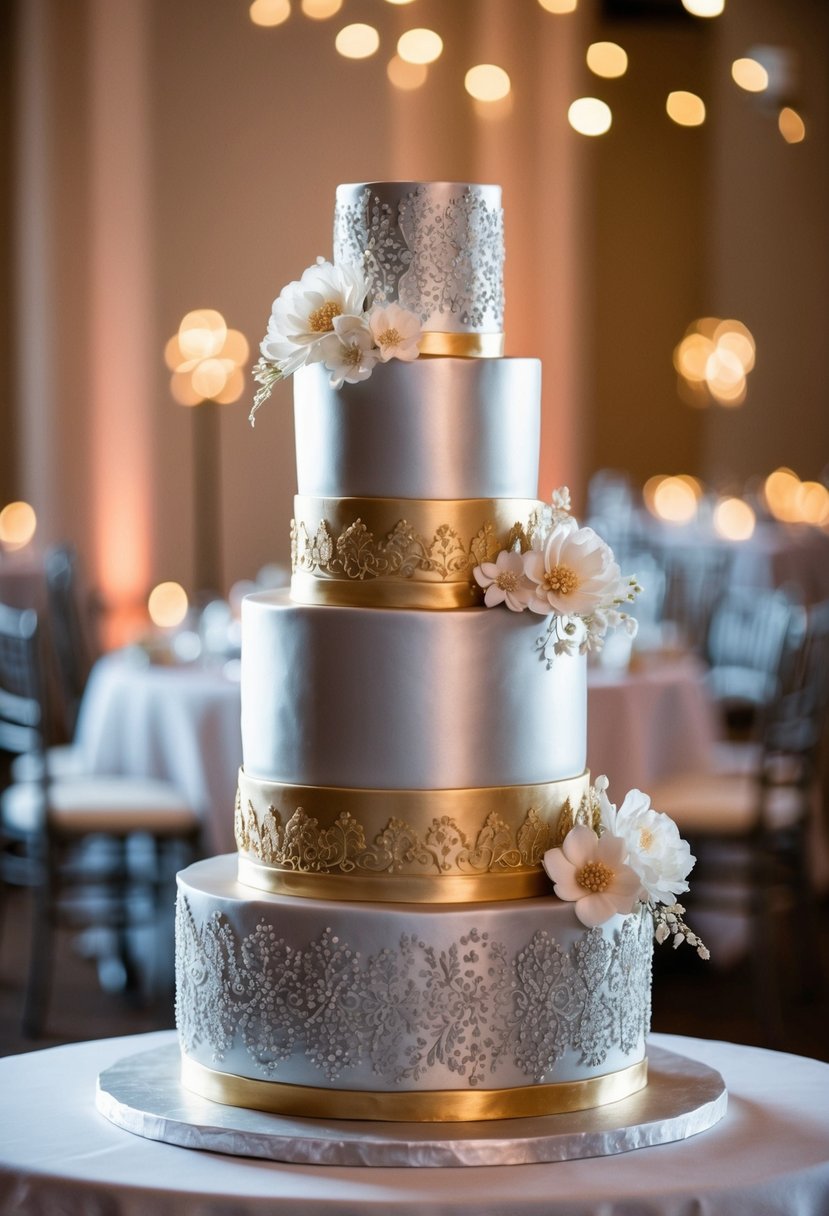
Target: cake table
{"x":769,"y":1156}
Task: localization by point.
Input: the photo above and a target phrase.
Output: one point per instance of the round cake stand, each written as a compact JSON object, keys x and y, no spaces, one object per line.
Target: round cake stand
{"x":142,"y":1093}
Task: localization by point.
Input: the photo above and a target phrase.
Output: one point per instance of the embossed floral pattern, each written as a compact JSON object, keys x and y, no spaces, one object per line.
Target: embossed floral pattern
{"x":410,"y":1013}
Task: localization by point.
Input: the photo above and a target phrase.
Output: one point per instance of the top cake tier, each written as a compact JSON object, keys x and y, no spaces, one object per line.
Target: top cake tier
{"x":435,"y":248}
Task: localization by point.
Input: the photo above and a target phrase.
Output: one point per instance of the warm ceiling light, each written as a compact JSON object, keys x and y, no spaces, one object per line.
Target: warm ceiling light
{"x":270,"y":12}
{"x":17,"y":525}
{"x":559,"y":6}
{"x":733,"y":519}
{"x":319,"y":10}
{"x":419,"y":46}
{"x":202,"y":333}
{"x":589,"y":116}
{"x":182,"y":391}
{"x":812,"y":502}
{"x":737,"y":338}
{"x":398,"y":1}
{"x":607,"y":59}
{"x":686,"y":109}
{"x":167,"y":605}
{"x":780,"y":490}
{"x":692,"y":355}
{"x":791,"y":125}
{"x":357,"y":41}
{"x":749,"y":75}
{"x":704,"y":8}
{"x":405,"y":75}
{"x":674,"y":500}
{"x":487,"y":82}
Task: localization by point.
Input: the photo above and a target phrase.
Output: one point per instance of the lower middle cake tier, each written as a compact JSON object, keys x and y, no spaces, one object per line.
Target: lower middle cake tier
{"x":405,"y":1012}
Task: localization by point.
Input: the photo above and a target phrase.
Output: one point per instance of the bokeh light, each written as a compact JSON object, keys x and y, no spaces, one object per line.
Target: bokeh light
{"x":357,"y":41}
{"x":167,"y":605}
{"x":589,"y":116}
{"x":607,"y":59}
{"x":686,"y":109}
{"x":18,"y":523}
{"x":673,"y":499}
{"x":269,"y":12}
{"x":750,"y":75}
{"x":419,"y":46}
{"x":487,"y":82}
{"x":780,"y":491}
{"x":791,"y":126}
{"x":559,"y":6}
{"x":733,"y":519}
{"x":320,"y":10}
{"x":206,"y":359}
{"x":704,"y":8}
{"x":713,"y":361}
{"x":406,"y":76}
{"x":812,"y":502}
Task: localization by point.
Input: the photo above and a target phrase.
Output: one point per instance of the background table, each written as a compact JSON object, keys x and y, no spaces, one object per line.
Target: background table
{"x":648,"y":724}
{"x":177,"y":722}
{"x":768,"y":1157}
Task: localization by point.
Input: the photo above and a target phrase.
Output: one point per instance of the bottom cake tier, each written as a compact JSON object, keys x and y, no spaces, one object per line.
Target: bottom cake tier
{"x":411,"y":1012}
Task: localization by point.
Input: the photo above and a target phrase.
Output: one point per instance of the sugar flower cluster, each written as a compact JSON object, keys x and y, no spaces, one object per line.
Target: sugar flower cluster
{"x":634,"y":856}
{"x":326,"y":317}
{"x":568,"y":573}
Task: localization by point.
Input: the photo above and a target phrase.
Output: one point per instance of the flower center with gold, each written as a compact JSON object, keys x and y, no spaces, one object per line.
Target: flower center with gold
{"x":352,"y":355}
{"x":389,"y":337}
{"x":561,"y":580}
{"x":646,"y":840}
{"x":321,"y":319}
{"x":507,"y":580}
{"x":594,"y":876}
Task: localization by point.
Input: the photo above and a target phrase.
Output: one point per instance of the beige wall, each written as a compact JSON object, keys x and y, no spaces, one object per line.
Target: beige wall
{"x":173,"y":156}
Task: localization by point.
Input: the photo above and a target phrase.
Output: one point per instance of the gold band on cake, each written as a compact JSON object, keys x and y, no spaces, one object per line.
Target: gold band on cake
{"x":401,"y":552}
{"x":421,"y":846}
{"x":424,"y":1106}
{"x":462,"y":346}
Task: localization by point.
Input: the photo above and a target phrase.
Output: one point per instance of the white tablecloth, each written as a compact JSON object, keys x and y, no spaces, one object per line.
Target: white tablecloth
{"x":768,"y":1157}
{"x":648,"y":724}
{"x":180,"y":723}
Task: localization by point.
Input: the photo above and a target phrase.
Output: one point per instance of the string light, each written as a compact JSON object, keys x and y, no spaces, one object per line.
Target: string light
{"x":269,"y":12}
{"x":357,"y":41}
{"x":686,"y":109}
{"x":18,"y":524}
{"x":419,"y":46}
{"x":487,"y":82}
{"x":607,"y":59}
{"x":589,"y":116}
{"x":167,"y":605}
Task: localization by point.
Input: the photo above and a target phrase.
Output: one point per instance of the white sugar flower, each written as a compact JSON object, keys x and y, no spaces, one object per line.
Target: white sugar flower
{"x":656,"y":851}
{"x":504,"y":581}
{"x":348,"y":352}
{"x":305,"y":311}
{"x":396,"y":331}
{"x":574,"y":573}
{"x":590,"y":871}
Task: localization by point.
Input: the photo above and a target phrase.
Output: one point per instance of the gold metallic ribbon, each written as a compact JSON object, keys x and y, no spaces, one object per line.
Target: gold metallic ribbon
{"x":424,"y":1106}
{"x":395,"y":888}
{"x":465,"y":346}
{"x":471,"y":845}
{"x":401,"y":552}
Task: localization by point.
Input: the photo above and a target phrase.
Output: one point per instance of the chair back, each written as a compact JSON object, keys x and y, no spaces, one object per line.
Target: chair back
{"x":67,"y":629}
{"x":797,"y":720}
{"x":21,"y":700}
{"x":746,"y":644}
{"x":697,"y":578}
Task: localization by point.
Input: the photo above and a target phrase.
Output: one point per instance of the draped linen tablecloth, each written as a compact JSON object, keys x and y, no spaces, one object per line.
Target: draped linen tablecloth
{"x":768,"y":1157}
{"x":650,"y":723}
{"x":179,"y":723}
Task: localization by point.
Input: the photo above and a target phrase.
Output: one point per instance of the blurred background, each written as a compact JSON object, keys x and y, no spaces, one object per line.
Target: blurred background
{"x":171,"y":164}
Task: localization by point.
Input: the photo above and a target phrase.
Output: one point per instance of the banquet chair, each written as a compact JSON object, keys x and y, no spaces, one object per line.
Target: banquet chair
{"x":758,"y":825}
{"x":80,"y":837}
{"x":696,"y":578}
{"x":752,"y":634}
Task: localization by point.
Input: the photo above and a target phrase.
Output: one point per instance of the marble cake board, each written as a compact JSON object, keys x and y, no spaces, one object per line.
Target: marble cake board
{"x":142,"y":1093}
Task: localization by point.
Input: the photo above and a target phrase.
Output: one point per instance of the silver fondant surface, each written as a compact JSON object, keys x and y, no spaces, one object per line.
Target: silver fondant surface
{"x":404,"y":996}
{"x":435,"y":428}
{"x":404,"y":699}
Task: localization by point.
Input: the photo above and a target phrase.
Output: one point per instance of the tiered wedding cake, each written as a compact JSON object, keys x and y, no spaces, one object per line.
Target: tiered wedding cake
{"x":387,"y":943}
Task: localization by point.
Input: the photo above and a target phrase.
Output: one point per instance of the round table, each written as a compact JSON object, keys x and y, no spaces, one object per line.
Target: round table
{"x":768,"y":1157}
{"x":177,"y":722}
{"x":649,"y":723}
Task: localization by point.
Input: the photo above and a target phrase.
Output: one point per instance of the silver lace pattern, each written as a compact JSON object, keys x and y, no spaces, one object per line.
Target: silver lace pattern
{"x":411,"y":1012}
